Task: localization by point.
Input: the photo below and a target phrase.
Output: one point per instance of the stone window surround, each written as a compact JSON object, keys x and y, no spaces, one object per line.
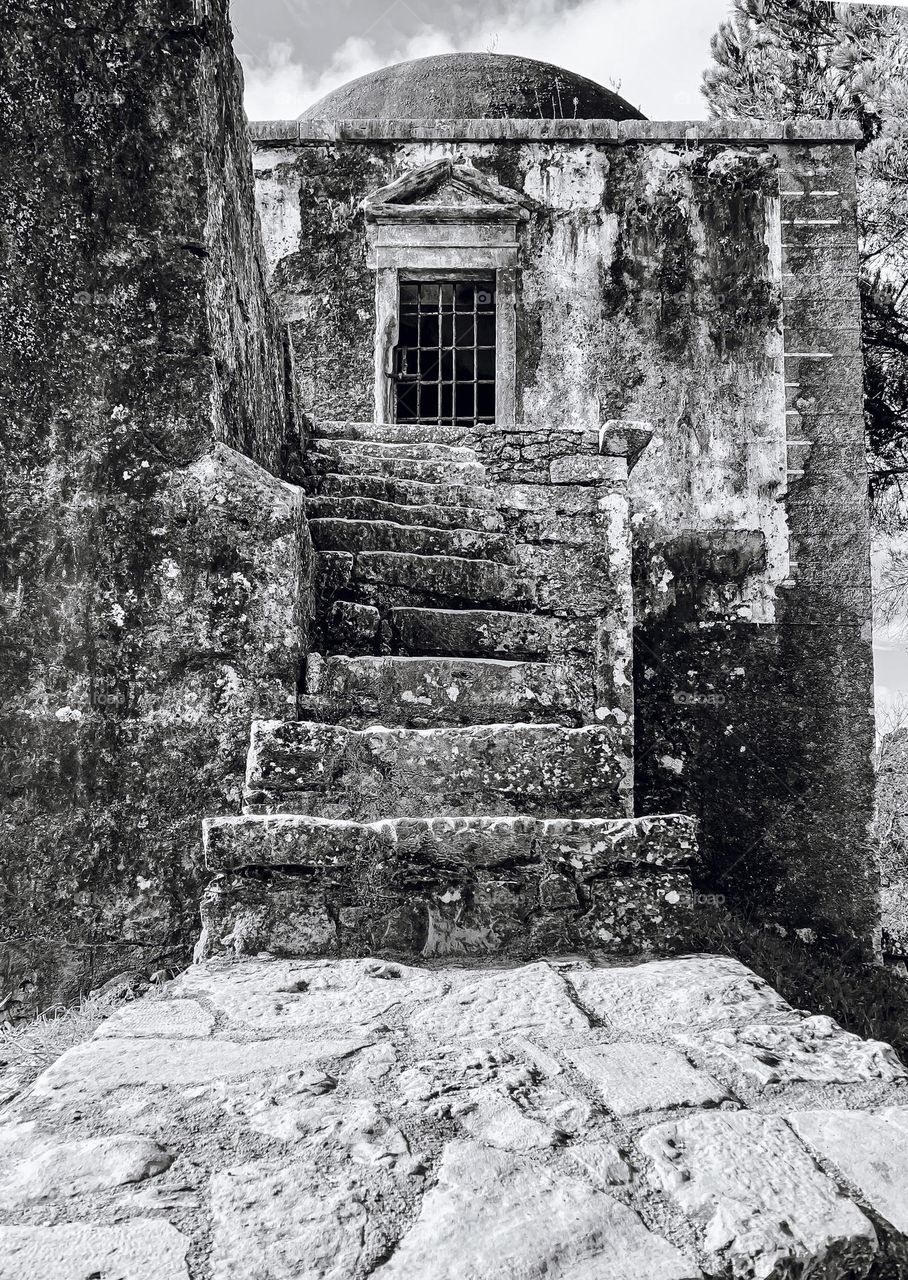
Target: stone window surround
{"x":444,"y":241}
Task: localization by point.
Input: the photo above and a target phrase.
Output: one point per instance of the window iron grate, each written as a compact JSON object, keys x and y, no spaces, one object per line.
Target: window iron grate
{"x":444,"y":361}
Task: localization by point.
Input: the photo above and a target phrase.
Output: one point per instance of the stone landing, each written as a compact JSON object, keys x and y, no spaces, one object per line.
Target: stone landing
{"x":274,"y":1119}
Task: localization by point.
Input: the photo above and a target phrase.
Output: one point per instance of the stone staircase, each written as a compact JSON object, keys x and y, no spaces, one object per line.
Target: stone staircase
{"x":459,"y":779}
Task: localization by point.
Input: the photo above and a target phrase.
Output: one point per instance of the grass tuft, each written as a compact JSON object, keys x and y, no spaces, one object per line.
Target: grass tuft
{"x":870,"y":1000}
{"x":26,"y":1048}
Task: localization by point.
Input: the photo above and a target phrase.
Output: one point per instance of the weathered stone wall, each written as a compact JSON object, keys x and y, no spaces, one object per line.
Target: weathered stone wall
{"x":705,"y":284}
{"x":892,"y":834}
{"x":142,"y":361}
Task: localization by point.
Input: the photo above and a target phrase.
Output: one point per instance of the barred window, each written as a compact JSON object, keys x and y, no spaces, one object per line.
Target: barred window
{"x":444,"y":363}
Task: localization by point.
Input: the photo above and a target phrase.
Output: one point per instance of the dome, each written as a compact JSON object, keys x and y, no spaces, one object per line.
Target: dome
{"x":471,"y":86}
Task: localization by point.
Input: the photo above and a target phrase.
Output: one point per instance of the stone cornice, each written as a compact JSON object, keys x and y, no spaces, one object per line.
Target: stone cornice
{"x":303,"y":132}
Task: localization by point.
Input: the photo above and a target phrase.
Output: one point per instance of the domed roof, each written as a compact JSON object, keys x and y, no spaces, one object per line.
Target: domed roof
{"x":471,"y":86}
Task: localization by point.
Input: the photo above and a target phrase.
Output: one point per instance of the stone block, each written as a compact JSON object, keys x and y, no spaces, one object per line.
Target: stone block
{"x":99,"y":1067}
{"x":180,"y":1019}
{"x":487,"y":633}
{"x":539,"y":769}
{"x":455,"y":886}
{"x":584,"y":469}
{"x":813,"y":1049}
{"x":633,"y":1076}
{"x":36,"y":1165}
{"x":593,"y":846}
{"x":492,"y":1213}
{"x":336,"y":1006}
{"x":390,"y":577}
{"x":676,"y":995}
{"x":344,"y":534}
{"x":287,"y":1223}
{"x":452,"y":470}
{"x":421,"y":692}
{"x":760,"y":1203}
{"x":351,"y":507}
{"x":350,"y":628}
{"x":459,"y":494}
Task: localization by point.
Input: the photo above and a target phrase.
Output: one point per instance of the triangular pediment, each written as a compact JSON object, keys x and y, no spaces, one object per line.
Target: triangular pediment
{"x":443,"y":190}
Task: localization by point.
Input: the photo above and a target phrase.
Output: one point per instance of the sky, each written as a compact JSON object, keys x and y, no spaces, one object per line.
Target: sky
{"x":652,"y":51}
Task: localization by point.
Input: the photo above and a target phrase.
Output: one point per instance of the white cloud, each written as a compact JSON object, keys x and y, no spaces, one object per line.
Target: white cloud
{"x":654,"y":51}
{"x":279,"y":88}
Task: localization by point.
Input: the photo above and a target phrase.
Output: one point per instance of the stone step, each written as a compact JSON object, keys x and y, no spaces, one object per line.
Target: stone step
{"x":430,"y":516}
{"x":386,"y":578}
{"x":544,"y":770}
{"x":404,"y":492}
{"x":488,"y":633}
{"x":397,"y":432}
{"x":481,"y":885}
{"x":421,"y":692}
{"x":446,"y":471}
{"x":395,"y":450}
{"x":595,"y":846}
{"x":345,"y":627}
{"x":384,"y":535}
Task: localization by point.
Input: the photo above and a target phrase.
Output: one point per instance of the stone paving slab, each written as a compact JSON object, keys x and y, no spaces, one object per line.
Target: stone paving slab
{"x":179,"y":1018}
{"x":284,"y":1223}
{"x":815,"y":1050}
{"x":764,"y":1207}
{"x":136,"y":1250}
{"x":492,"y":1214}
{"x":104,"y":1065}
{"x":273,"y":1119}
{"x":677,"y":995}
{"x":870,"y":1149}
{"x":341,"y":998}
{"x":634,"y":1077}
{"x":530,"y":1000}
{"x":34,"y":1165}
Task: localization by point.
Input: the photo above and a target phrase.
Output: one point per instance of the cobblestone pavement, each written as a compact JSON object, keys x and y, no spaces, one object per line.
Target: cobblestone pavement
{"x":317,"y":1120}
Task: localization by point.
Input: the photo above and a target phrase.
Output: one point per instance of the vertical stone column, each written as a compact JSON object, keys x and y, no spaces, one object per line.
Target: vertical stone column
{"x":825,"y":612}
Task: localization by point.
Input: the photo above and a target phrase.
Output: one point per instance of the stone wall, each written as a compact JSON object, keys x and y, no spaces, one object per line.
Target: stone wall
{"x":703,"y":279}
{"x":145,"y":423}
{"x":892,"y":834}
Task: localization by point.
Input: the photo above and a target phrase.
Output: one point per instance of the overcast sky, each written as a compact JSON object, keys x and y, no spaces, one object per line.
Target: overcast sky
{"x":652,"y":51}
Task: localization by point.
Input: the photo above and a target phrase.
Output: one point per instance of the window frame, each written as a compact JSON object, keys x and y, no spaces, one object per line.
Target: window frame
{"x":433,"y":240}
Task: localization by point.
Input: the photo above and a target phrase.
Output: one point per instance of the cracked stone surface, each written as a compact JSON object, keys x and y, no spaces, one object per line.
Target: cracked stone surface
{"x":343,"y":1119}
